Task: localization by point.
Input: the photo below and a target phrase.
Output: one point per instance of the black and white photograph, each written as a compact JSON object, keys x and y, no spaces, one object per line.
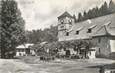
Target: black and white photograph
{"x":57,"y":36}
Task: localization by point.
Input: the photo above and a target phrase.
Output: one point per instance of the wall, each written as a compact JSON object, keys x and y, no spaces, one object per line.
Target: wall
{"x":21,"y":53}
{"x":102,"y":45}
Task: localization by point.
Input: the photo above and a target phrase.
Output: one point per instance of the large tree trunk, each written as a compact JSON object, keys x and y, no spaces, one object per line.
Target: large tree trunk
{"x":2,"y":53}
{"x":2,"y":48}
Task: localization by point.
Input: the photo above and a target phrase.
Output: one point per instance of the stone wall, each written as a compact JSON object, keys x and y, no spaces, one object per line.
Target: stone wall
{"x":102,"y":45}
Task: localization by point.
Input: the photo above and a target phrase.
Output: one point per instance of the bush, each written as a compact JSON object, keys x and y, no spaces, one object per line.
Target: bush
{"x":75,"y":57}
{"x":47,"y":58}
{"x":101,"y":56}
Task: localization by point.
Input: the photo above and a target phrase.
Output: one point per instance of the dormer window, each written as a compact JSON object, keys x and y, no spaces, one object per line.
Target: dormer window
{"x":91,"y":28}
{"x":89,"y":31}
{"x":67,"y":33}
{"x":61,"y":22}
{"x":77,"y":32}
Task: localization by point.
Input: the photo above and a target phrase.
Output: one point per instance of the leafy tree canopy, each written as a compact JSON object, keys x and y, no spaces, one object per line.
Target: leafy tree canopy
{"x":12,"y":28}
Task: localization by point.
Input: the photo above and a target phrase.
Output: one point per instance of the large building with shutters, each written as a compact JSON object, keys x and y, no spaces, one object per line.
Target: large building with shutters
{"x":100,"y":30}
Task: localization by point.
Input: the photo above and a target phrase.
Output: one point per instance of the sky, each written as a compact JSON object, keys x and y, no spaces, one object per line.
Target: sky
{"x":40,"y":14}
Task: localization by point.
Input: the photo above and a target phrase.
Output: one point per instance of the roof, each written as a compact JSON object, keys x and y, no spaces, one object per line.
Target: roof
{"x":103,"y":31}
{"x":42,"y":43}
{"x":65,"y":14}
{"x":103,"y":25}
{"x":24,"y":46}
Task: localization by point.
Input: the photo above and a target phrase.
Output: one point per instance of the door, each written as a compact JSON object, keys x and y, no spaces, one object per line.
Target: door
{"x":112,"y":45}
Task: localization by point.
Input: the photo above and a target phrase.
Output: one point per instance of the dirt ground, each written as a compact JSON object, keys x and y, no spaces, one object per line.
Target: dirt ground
{"x":33,"y":65}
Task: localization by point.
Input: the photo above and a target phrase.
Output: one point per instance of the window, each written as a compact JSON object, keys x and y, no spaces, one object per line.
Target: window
{"x":62,"y":21}
{"x":99,"y":40}
{"x":89,"y":31}
{"x":61,"y":26}
{"x":70,"y":21}
{"x":99,"y":50}
{"x":67,"y":34}
{"x":77,"y":32}
{"x":90,"y":28}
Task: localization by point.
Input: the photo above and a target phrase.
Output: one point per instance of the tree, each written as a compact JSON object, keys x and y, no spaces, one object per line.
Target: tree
{"x":97,"y":12}
{"x":75,"y":19}
{"x":51,"y":34}
{"x":85,"y":15}
{"x":12,"y":28}
{"x":48,"y":34}
{"x":111,"y":7}
{"x":79,"y":17}
{"x":89,"y":14}
{"x":104,"y":9}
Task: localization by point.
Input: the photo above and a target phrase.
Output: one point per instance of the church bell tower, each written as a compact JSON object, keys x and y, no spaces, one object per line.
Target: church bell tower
{"x":65,"y":22}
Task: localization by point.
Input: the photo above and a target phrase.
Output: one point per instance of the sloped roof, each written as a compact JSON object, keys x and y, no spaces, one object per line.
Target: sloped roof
{"x":99,"y":29}
{"x":104,"y":31}
{"x":65,"y":14}
{"x":42,"y":43}
{"x":24,"y":46}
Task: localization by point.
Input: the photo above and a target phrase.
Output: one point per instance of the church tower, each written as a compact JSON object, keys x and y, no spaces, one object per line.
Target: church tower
{"x":65,"y":22}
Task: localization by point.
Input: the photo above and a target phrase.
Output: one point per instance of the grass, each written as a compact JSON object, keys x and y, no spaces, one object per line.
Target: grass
{"x":32,"y":64}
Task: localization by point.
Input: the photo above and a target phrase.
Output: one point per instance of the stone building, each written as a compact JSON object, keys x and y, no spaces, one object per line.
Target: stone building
{"x":100,"y":30}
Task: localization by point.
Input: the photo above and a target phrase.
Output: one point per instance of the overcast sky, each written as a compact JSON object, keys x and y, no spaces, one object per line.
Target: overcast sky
{"x":40,"y":14}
